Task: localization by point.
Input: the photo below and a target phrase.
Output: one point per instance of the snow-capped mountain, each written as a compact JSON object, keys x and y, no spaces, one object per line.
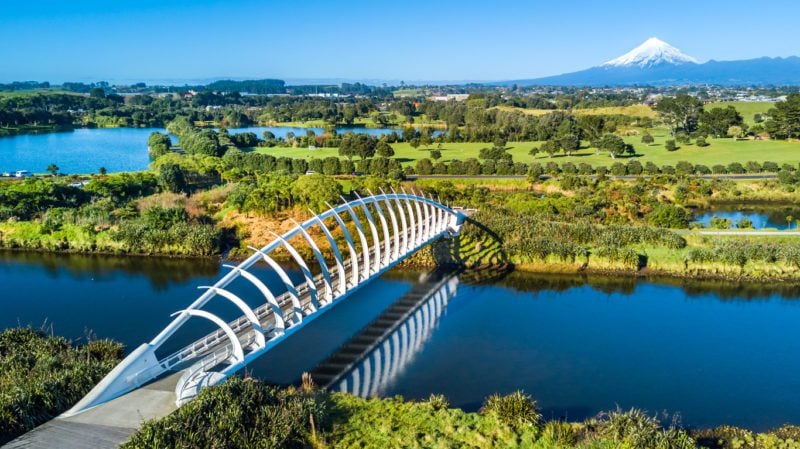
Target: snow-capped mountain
{"x":657,"y":63}
{"x":651,"y":52}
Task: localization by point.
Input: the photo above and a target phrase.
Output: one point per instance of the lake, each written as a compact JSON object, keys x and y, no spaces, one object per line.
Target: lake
{"x":116,"y":149}
{"x":714,"y":353}
{"x":760,"y":216}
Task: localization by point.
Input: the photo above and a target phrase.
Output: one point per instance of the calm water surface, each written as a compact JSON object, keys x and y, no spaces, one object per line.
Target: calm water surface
{"x":714,"y":353}
{"x":117,"y":149}
{"x":774,"y":217}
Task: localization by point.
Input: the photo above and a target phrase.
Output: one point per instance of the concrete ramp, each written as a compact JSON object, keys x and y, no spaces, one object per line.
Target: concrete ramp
{"x":105,"y":426}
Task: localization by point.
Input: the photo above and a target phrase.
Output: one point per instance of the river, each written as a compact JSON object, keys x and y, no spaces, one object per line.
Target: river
{"x":714,"y":353}
{"x":117,"y":149}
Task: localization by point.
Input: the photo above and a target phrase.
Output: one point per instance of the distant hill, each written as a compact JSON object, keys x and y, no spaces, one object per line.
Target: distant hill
{"x":657,"y":63}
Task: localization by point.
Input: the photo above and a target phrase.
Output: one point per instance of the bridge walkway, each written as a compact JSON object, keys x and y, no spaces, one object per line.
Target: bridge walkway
{"x":105,"y":426}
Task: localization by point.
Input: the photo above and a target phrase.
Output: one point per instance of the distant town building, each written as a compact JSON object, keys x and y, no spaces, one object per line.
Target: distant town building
{"x":456,"y":97}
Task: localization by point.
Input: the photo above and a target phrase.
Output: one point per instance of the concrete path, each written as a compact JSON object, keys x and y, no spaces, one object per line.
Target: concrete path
{"x":106,"y":426}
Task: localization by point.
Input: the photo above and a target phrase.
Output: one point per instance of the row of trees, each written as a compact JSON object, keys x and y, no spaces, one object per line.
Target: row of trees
{"x":686,"y":114}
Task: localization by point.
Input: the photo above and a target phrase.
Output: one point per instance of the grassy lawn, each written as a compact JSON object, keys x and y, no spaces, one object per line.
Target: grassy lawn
{"x":746,"y":108}
{"x":720,"y":151}
{"x":637,"y":110}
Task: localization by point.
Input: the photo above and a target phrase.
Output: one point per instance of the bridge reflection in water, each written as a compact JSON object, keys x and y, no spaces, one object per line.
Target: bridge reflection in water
{"x":370,"y":360}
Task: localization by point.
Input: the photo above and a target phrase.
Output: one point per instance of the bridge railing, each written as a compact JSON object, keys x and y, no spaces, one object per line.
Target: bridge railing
{"x":407,"y":223}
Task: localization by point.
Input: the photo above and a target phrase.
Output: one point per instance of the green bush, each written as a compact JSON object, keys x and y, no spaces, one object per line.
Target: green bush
{"x":438,"y":402}
{"x":241,"y":413}
{"x":41,"y":376}
{"x":516,"y":409}
{"x":635,"y":430}
{"x":669,"y":216}
{"x":559,"y":433}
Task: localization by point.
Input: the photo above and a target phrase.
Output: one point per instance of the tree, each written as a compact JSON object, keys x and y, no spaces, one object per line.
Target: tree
{"x":669,"y":216}
{"x":361,"y":145}
{"x":592,"y":126}
{"x":736,"y":132}
{"x":52,"y":169}
{"x":648,"y":139}
{"x":171,"y":178}
{"x":534,"y":151}
{"x":179,"y":126}
{"x":550,"y":147}
{"x":680,"y":113}
{"x":205,"y":142}
{"x":614,"y":145}
{"x":158,"y":144}
{"x":784,"y":118}
{"x":436,"y":155}
{"x":569,"y":143}
{"x":701,"y":142}
{"x":494,"y":153}
{"x":717,"y":121}
{"x":424,"y":167}
{"x":409,"y":133}
{"x":97,"y":92}
{"x":383,"y":149}
{"x":670,"y":145}
{"x":102,"y":171}
{"x":316,"y":190}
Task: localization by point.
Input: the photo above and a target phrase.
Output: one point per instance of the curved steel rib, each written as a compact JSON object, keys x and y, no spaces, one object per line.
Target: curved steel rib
{"x":221,"y":353}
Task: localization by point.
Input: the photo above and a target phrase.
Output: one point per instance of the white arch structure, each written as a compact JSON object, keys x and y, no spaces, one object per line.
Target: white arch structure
{"x":414,"y":221}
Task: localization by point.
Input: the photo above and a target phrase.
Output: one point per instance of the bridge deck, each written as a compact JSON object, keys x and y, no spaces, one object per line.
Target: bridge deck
{"x":105,"y":426}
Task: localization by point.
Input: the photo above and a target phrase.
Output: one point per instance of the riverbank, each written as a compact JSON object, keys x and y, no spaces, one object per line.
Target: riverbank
{"x":642,"y":261}
{"x":34,"y":129}
{"x":307,"y":417}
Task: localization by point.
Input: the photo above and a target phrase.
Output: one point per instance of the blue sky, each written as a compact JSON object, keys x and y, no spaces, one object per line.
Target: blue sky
{"x":59,"y":40}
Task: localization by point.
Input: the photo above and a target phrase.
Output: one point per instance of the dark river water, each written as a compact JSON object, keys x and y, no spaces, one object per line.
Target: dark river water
{"x":714,"y":353}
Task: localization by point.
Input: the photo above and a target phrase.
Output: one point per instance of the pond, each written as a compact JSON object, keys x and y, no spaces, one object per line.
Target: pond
{"x":116,"y":149}
{"x":761,"y":217}
{"x":714,"y":353}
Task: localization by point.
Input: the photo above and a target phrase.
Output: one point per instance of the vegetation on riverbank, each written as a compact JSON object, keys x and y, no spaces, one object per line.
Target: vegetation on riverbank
{"x":107,"y":215}
{"x":42,"y":375}
{"x":248,"y":414}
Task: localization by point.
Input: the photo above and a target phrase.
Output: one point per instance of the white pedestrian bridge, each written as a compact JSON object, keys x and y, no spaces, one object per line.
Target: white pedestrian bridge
{"x":362,"y":238}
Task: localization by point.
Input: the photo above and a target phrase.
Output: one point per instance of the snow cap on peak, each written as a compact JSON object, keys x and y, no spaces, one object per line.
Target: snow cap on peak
{"x":651,"y":52}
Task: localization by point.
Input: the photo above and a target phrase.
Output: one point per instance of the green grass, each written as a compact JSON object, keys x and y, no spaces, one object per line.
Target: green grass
{"x":720,"y":151}
{"x":746,"y":108}
{"x":636,"y":110}
{"x":408,"y":92}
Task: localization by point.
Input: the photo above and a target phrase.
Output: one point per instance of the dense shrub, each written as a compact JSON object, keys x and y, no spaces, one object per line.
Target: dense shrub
{"x":634,"y":429}
{"x":517,"y":409}
{"x":669,"y":216}
{"x":242,"y":413}
{"x":41,"y":376}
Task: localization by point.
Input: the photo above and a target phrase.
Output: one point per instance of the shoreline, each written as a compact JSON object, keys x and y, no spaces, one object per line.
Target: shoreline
{"x":414,"y":264}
